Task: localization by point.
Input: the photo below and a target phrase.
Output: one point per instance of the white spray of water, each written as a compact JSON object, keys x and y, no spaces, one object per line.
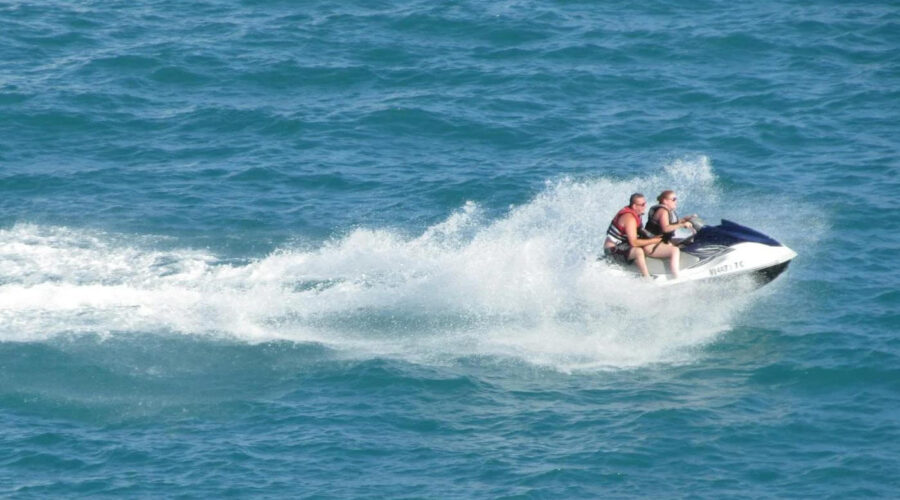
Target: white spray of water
{"x":526,"y":286}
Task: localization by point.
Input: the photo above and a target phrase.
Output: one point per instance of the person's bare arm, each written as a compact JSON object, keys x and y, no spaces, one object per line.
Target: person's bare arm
{"x":662,"y":217}
{"x":631,"y":232}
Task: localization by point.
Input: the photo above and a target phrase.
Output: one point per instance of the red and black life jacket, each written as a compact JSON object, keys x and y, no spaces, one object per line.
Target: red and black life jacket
{"x":617,"y":231}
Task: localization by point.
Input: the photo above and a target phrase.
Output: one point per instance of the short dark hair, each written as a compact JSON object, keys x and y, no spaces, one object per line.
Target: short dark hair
{"x":634,"y":198}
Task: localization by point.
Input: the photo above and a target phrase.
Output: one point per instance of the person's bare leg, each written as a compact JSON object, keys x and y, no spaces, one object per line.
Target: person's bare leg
{"x":664,"y":250}
{"x":675,"y":261}
{"x":638,"y":255}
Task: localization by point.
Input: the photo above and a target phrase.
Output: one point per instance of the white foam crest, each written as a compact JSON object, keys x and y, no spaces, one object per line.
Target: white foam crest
{"x":526,"y":286}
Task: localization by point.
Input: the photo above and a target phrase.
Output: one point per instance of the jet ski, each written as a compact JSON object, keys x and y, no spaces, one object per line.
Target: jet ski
{"x":726,"y":251}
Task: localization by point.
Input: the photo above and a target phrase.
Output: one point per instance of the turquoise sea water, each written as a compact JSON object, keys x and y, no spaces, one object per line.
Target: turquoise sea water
{"x":345,"y":249}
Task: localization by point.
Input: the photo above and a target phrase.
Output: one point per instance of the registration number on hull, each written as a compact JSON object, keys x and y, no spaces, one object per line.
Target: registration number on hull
{"x":724,"y":268}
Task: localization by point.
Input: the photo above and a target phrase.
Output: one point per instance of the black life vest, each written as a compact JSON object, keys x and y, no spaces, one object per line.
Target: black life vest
{"x":653,"y":227}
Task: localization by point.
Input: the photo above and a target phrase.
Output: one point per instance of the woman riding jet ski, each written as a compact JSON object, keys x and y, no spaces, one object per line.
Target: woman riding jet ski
{"x":713,"y":252}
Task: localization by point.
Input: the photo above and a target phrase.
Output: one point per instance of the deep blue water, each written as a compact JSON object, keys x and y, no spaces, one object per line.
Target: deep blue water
{"x":345,"y":249}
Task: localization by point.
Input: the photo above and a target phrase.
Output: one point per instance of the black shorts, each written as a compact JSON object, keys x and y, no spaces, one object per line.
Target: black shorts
{"x":618,"y":253}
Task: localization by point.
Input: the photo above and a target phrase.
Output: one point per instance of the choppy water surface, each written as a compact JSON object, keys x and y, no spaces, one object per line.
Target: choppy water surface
{"x":348,"y":250}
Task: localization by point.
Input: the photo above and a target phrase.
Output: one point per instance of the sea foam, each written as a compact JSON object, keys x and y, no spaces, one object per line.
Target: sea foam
{"x":526,"y":286}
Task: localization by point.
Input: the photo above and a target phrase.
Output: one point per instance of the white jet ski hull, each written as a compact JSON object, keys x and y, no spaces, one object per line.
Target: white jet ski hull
{"x":722,"y":252}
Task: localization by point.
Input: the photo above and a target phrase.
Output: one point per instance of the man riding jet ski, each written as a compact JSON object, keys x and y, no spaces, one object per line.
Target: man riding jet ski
{"x":628,"y":242}
{"x":713,"y":252}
